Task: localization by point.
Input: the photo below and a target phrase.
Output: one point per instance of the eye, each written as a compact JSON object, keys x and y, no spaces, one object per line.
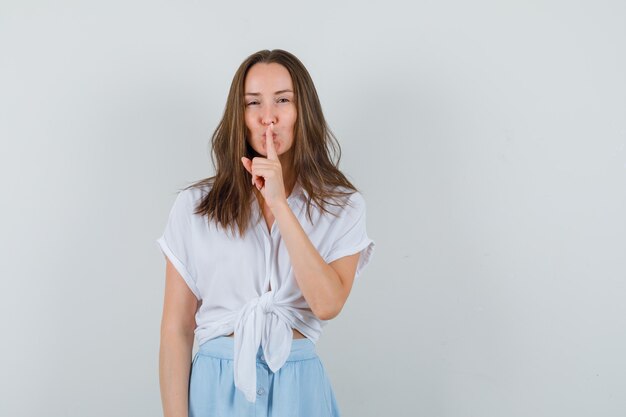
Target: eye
{"x":286,"y":100}
{"x":252,"y":103}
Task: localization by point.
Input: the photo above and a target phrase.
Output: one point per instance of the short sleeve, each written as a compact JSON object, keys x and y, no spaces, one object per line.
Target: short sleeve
{"x":350,"y":234}
{"x":175,"y":242}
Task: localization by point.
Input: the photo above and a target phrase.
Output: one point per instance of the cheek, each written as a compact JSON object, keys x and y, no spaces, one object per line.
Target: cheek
{"x":291,"y":117}
{"x":248,"y":120}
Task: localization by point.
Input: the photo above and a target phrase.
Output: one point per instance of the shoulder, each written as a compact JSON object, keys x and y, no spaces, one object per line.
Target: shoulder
{"x":194,"y":193}
{"x":349,"y":204}
{"x":351,"y":197}
{"x":187,"y":199}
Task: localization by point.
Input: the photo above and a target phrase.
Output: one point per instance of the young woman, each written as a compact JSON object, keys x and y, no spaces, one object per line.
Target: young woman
{"x":260,"y":256}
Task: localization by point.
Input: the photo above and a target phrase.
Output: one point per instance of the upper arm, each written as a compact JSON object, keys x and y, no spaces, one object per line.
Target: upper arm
{"x":345,"y":267}
{"x":349,"y":237}
{"x":180,"y":304}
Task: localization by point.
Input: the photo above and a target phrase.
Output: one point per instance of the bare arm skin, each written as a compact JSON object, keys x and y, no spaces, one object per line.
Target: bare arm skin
{"x":325,"y":287}
{"x":177,"y":327}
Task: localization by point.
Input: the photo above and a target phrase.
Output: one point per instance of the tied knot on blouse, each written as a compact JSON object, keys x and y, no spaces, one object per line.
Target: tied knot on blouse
{"x":266,"y":301}
{"x":260,"y":323}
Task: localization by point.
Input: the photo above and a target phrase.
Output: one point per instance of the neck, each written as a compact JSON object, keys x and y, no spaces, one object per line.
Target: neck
{"x":289,"y":181}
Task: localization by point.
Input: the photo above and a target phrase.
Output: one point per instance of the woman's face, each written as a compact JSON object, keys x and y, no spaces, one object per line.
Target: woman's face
{"x":269,"y":98}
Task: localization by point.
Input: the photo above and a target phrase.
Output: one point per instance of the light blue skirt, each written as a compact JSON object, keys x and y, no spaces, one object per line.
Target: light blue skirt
{"x":300,"y":388}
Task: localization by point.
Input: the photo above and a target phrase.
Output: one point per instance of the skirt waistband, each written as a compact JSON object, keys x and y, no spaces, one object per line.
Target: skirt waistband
{"x":223,"y":347}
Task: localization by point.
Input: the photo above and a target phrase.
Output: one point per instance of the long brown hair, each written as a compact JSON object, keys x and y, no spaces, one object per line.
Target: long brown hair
{"x":316,"y":150}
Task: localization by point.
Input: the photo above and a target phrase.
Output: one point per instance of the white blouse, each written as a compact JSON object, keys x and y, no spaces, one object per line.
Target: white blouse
{"x":232,"y":276}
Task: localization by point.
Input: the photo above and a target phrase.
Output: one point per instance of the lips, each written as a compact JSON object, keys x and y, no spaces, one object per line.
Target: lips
{"x":274,"y":141}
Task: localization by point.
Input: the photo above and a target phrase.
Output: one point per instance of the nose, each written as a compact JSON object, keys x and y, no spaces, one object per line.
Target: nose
{"x":268,"y":116}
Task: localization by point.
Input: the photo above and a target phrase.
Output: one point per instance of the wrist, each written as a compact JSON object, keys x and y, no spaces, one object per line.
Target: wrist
{"x":279,"y":207}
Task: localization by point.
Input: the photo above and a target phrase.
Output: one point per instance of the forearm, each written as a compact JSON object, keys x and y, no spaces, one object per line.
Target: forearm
{"x":320,"y":285}
{"x":174,"y":371}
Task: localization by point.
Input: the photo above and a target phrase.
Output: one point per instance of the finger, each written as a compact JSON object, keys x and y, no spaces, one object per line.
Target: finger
{"x":269,"y":143}
{"x":258,"y":163}
{"x":258,"y":181}
{"x":264,"y":172}
{"x":247,"y":164}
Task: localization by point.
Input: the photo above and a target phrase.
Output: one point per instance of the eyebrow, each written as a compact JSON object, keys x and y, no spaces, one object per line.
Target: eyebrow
{"x":277,"y":92}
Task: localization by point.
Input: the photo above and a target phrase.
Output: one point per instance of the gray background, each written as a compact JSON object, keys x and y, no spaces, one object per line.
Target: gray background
{"x":488,"y":138}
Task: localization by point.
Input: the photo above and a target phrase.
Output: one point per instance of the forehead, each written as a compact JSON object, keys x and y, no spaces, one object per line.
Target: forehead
{"x":268,"y":78}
